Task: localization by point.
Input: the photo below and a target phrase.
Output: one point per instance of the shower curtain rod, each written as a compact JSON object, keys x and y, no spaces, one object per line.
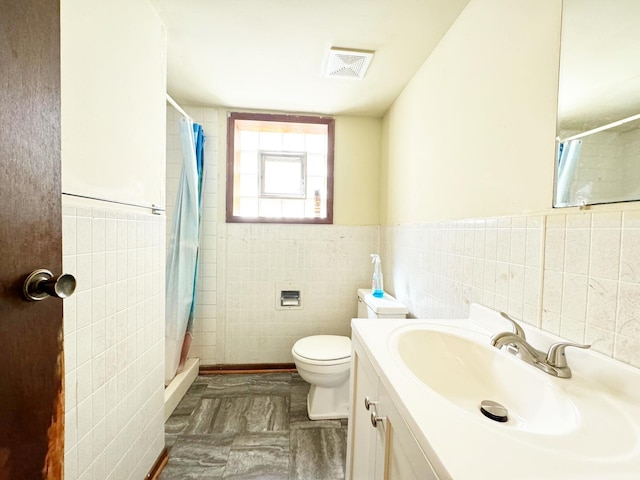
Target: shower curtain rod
{"x":602,"y":128}
{"x":178,"y":107}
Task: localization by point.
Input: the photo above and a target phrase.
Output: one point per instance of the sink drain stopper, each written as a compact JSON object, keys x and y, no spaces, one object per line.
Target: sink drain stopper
{"x":494,"y":410}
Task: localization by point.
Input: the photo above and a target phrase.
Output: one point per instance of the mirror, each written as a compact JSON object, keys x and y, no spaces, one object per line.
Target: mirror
{"x":598,"y":134}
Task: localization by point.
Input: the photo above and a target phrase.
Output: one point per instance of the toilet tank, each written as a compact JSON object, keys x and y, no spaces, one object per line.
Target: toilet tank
{"x":385,"y":307}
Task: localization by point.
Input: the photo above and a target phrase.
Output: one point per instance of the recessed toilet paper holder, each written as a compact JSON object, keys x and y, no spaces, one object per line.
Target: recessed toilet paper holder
{"x":290,"y":298}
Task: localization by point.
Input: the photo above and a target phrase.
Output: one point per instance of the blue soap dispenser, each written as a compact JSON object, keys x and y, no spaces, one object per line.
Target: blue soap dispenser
{"x":376,"y":281}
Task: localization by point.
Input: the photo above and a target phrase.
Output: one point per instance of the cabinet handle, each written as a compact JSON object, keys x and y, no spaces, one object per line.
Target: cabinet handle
{"x":368,"y":403}
{"x":375,"y":419}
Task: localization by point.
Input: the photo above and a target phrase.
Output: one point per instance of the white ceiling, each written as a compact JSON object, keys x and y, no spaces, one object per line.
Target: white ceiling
{"x":270,"y":54}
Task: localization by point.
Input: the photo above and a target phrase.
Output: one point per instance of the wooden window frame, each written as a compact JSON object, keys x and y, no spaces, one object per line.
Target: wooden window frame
{"x":281,"y":118}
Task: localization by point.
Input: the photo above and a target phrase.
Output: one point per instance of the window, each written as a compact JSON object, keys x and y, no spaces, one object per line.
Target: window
{"x":279,"y":168}
{"x":283,"y":175}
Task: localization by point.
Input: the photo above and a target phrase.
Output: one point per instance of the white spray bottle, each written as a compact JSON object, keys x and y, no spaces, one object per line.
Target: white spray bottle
{"x":376,"y":281}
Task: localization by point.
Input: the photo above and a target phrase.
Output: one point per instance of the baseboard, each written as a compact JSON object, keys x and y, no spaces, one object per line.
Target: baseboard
{"x":158,"y":466}
{"x":222,"y":369}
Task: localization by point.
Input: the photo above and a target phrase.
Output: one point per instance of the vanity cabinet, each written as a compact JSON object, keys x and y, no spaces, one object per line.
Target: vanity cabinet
{"x":380,"y":443}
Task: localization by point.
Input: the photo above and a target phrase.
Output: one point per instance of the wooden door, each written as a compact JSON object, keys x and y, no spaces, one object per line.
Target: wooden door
{"x":31,"y":362}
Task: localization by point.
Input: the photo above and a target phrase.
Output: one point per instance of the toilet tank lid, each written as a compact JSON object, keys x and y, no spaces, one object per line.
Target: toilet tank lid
{"x":323,"y":347}
{"x":385,"y":305}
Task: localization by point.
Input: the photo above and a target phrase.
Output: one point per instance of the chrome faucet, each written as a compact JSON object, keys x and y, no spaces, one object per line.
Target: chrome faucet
{"x":516,"y":326}
{"x":554,"y":362}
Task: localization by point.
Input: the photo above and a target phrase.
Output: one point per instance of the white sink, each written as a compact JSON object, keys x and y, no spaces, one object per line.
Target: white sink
{"x":466,"y":371}
{"x":438,"y":372}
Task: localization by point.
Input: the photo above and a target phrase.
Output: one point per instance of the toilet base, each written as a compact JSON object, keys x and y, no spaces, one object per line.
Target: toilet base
{"x":328,"y":403}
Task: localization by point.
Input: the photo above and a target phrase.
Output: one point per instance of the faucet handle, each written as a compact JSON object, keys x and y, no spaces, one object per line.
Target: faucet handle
{"x":516,"y":326}
{"x":556,"y":356}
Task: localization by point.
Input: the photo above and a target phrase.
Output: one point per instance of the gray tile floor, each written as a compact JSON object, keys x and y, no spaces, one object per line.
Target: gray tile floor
{"x":252,"y":427}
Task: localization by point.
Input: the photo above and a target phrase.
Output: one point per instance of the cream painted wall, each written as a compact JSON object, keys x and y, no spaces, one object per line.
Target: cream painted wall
{"x":356,"y":169}
{"x":113,"y":106}
{"x":473,"y":133}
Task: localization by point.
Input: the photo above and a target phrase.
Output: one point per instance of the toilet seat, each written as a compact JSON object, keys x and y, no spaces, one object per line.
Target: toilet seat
{"x":323,"y":349}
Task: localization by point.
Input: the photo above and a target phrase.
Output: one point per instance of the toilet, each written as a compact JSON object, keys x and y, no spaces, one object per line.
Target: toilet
{"x":324,"y":361}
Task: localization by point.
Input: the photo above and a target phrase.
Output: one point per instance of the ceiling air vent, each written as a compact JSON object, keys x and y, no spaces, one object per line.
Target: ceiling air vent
{"x":345,"y":63}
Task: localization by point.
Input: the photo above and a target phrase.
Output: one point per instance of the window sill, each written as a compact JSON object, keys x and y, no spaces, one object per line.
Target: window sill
{"x":302,"y":221}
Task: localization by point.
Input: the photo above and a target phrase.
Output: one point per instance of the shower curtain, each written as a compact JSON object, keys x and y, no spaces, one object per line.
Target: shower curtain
{"x":182,"y":258}
{"x":568,"y":159}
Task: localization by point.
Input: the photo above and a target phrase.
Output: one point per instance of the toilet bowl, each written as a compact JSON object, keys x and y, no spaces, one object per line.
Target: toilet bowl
{"x":324,"y":361}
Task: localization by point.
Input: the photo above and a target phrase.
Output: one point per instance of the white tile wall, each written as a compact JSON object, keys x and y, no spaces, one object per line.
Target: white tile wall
{"x":327,"y":263}
{"x":575,"y":275}
{"x":491,"y":261}
{"x":205,"y":326}
{"x":113,"y":341}
{"x":612,"y":316}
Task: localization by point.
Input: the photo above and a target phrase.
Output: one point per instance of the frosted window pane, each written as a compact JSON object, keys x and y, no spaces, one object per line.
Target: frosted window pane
{"x":248,"y":207}
{"x":293,"y":208}
{"x":248,"y":185}
{"x":249,"y":140}
{"x":317,"y":164}
{"x":309,"y":208}
{"x":293,"y":142}
{"x":316,"y":143}
{"x":270,"y":207}
{"x":248,"y":162}
{"x":316,"y":183}
{"x":270,"y":141}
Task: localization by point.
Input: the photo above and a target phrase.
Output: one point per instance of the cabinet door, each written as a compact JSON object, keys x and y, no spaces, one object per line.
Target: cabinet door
{"x":362,"y":435}
{"x":403,"y":457}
